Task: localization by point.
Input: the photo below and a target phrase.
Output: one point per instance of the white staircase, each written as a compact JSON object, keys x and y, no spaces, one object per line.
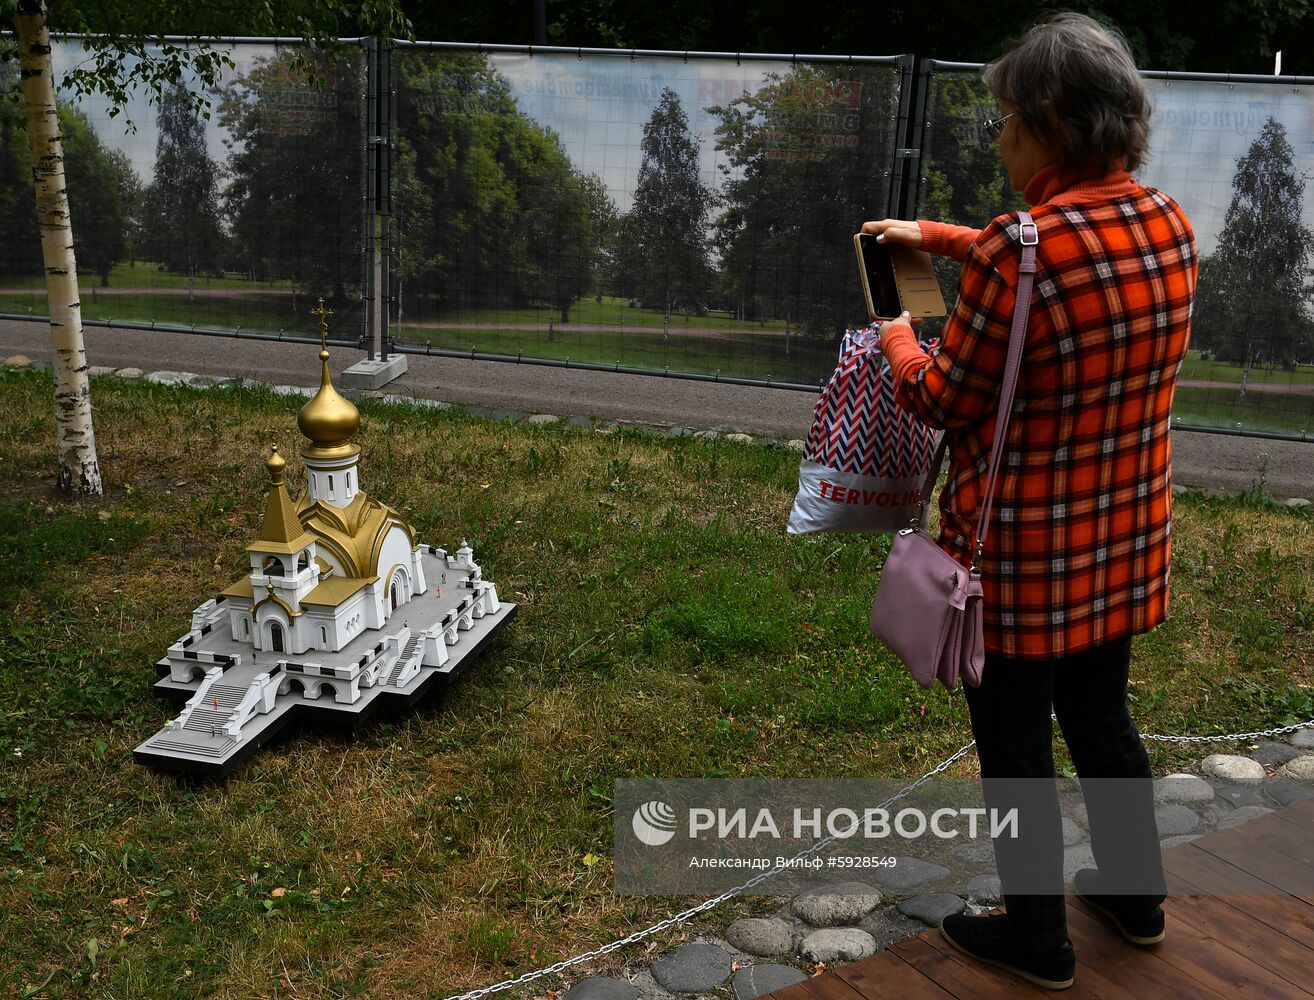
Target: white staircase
{"x":408,"y":653}
{"x":206,"y":718}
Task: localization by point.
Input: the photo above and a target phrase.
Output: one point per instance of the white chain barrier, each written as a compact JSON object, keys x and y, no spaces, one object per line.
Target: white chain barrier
{"x":814,"y":848}
{"x":1232,"y":736}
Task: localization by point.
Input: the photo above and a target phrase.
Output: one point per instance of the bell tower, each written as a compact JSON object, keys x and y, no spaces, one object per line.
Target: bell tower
{"x":328,"y":421}
{"x":283,"y":569}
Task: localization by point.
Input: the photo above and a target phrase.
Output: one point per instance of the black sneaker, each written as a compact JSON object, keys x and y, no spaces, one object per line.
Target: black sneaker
{"x":1137,"y":922}
{"x":992,"y":940}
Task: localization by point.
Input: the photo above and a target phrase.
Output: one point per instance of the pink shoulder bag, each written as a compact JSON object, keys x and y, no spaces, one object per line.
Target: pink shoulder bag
{"x":928,"y":607}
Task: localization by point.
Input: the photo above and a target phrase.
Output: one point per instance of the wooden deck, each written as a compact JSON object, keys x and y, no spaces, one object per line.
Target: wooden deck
{"x":1240,"y":917}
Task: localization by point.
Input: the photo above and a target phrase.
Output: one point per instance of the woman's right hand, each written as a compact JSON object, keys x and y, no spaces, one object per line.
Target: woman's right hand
{"x":900,"y":231}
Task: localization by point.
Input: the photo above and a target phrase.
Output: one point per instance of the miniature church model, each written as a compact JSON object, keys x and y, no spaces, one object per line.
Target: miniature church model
{"x":342,"y":609}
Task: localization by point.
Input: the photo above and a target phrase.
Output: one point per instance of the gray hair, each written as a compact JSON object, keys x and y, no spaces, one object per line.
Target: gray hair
{"x":1074,"y":84}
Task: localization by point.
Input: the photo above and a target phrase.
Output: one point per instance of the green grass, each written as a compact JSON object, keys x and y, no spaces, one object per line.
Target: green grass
{"x":1226,"y":371}
{"x":604,"y":311}
{"x":257,"y":312}
{"x":1261,"y":411}
{"x":144,"y":274}
{"x":668,"y":627}
{"x":745,"y":355}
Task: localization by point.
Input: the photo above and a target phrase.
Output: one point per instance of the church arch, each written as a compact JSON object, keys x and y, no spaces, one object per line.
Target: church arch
{"x":328,"y":689}
{"x":399,"y":586}
{"x":277,"y":641}
{"x":272,"y":566}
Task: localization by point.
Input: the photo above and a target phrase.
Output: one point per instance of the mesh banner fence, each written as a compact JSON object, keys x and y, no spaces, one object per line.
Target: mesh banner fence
{"x":1236,"y":156}
{"x":664,"y":213}
{"x":235,"y":222}
{"x":654,"y":212}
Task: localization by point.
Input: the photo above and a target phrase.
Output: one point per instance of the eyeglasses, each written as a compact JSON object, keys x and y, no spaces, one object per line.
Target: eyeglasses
{"x":994,"y":127}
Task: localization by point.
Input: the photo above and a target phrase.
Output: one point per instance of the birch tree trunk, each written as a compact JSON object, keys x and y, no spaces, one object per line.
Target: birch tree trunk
{"x":79,"y":470}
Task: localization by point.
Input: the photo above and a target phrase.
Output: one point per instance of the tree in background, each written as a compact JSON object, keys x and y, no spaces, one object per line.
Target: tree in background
{"x":963,"y":178}
{"x":96,"y":195}
{"x":1253,"y":299}
{"x":663,"y":255}
{"x":1237,"y":36}
{"x":294,"y":168}
{"x":125,"y":49}
{"x":20,"y":251}
{"x":555,"y":255}
{"x":604,"y":223}
{"x":490,"y":209}
{"x":455,"y":176}
{"x":806,"y":159}
{"x":102,"y":192}
{"x":131,"y":193}
{"x":180,"y":207}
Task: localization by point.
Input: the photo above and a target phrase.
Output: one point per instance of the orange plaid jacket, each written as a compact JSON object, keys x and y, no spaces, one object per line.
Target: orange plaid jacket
{"x":1078,"y":549}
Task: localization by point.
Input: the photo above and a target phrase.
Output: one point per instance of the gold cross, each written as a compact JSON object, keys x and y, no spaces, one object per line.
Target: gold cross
{"x":323,"y":315}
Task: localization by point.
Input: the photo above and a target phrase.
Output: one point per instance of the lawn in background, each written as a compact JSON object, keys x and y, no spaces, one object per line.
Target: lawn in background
{"x":668,"y":626}
{"x":746,"y":354}
{"x":602,"y":310}
{"x":145,"y":274}
{"x":609,"y":331}
{"x":268,"y":314}
{"x":1292,"y":413}
{"x":1225,"y":371}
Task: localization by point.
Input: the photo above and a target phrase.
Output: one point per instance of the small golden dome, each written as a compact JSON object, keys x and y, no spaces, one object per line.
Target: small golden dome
{"x":276,"y":464}
{"x":329,"y":420}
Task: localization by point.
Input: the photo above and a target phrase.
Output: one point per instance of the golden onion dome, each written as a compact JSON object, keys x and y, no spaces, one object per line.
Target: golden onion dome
{"x":329,"y":420}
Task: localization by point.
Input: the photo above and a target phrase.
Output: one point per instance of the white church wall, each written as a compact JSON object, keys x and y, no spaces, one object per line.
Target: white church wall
{"x":396,"y":551}
{"x":373,"y":605}
{"x":418,"y":582}
{"x":340,"y":624}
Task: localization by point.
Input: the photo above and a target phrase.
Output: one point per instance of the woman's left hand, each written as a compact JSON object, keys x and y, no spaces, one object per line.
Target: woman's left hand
{"x":904,"y":318}
{"x":903,"y":231}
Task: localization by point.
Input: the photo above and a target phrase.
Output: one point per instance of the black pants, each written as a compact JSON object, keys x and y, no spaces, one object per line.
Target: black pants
{"x":1014,"y":739}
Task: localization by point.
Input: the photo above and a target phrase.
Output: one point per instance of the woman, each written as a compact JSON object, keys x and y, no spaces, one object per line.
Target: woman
{"x":1077,"y":556}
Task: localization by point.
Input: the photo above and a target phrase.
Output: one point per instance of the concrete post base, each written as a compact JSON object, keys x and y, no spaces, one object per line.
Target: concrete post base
{"x":374,"y":374}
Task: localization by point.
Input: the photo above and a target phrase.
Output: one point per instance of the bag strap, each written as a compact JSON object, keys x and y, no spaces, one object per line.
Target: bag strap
{"x":1030,"y":237}
{"x":1026,"y":274}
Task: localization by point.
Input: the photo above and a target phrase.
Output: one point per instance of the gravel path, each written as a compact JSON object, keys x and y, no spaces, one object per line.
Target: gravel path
{"x":1293,"y":390}
{"x":1207,"y":461}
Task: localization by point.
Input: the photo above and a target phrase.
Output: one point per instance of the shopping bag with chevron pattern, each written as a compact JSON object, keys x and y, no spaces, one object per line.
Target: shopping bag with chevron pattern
{"x":866,"y":456}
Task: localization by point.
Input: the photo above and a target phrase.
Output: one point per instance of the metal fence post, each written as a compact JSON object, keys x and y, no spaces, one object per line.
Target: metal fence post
{"x":388,"y":113}
{"x":378,"y":195}
{"x":369,"y":319}
{"x":917,"y":138}
{"x":906,"y":181}
{"x":381,"y":140}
